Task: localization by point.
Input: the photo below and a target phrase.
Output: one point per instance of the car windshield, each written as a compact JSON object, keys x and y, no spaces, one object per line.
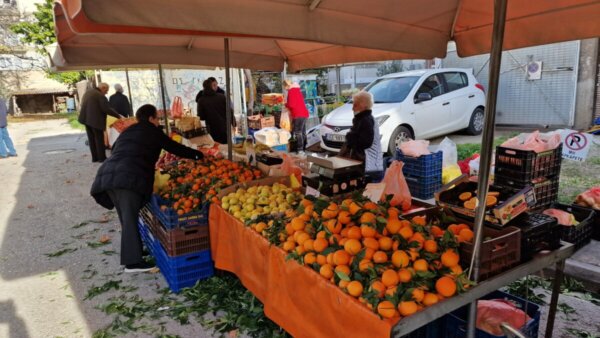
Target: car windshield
{"x":389,"y":90}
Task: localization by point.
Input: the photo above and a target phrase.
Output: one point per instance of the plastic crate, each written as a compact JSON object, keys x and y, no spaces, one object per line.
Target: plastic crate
{"x":422,"y":166}
{"x":456,"y":321}
{"x":527,"y":165}
{"x":499,"y":253}
{"x":580,"y":234}
{"x":596,"y":225}
{"x":423,"y":188}
{"x":546,"y":191}
{"x":171,"y":220}
{"x":281,"y":147}
{"x":538,"y":232}
{"x":434,"y":329}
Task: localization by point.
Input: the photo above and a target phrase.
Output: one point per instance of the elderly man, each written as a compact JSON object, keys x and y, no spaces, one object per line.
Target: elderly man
{"x":94,"y":109}
{"x":119,"y":102}
{"x":363,"y":141}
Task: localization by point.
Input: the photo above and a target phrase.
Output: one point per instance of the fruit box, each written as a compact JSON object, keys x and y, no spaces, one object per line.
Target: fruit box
{"x":260,"y":122}
{"x":509,"y":205}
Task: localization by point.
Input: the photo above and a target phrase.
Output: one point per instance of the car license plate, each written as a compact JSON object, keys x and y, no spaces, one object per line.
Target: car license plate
{"x":336,"y":138}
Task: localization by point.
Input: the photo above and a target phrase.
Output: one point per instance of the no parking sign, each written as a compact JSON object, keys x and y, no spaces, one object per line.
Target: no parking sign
{"x":576,"y":145}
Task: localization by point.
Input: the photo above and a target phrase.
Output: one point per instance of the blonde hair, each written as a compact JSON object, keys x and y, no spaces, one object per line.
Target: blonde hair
{"x":287,"y":83}
{"x":365,"y":98}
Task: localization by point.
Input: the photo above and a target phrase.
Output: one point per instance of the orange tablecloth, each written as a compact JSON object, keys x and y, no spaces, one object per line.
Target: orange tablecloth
{"x":295,"y":297}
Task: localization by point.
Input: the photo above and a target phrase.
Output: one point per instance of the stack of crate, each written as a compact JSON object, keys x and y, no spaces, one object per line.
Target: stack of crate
{"x":516,"y":169}
{"x":181,"y":254}
{"x":423,"y":174}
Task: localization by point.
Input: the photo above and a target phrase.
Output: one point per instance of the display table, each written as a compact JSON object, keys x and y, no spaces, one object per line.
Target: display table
{"x":306,"y":305}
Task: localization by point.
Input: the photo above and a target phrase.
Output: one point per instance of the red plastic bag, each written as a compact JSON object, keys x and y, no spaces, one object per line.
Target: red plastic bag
{"x":464,"y":164}
{"x":289,"y":167}
{"x":177,"y":108}
{"x":492,"y":313}
{"x":395,"y":184}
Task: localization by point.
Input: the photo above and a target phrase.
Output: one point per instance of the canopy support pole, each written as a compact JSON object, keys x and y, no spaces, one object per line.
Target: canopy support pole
{"x":129,"y":89}
{"x":486,"y":146}
{"x":228,"y":112}
{"x":164,"y":98}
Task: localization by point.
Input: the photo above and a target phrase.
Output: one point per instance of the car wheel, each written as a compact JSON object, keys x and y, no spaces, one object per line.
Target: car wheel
{"x":401,"y":134}
{"x":476,"y":122}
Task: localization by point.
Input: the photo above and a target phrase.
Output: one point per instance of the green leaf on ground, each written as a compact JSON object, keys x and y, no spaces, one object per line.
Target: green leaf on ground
{"x":97,"y":290}
{"x":61,"y":252}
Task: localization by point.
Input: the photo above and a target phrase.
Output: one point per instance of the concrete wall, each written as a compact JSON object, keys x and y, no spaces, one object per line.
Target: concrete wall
{"x":586,"y":83}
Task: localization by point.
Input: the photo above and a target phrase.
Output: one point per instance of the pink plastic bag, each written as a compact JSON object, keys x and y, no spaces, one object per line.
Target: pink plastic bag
{"x":534,"y":141}
{"x":395,"y":184}
{"x":563,"y":217}
{"x":289,"y":167}
{"x":415,"y":148}
{"x":177,"y":108}
{"x":492,"y":313}
{"x":590,"y":198}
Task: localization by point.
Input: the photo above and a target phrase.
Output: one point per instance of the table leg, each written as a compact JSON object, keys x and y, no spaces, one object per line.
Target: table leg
{"x":558,"y":277}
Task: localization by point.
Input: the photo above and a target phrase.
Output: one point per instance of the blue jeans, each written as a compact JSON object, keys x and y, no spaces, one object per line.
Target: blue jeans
{"x":6,"y":143}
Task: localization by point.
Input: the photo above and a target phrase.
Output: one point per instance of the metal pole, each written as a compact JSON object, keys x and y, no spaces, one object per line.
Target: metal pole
{"x":228,"y":111}
{"x":558,"y":277}
{"x":486,"y":146}
{"x":164,"y":98}
{"x":129,"y":89}
{"x":338,"y":90}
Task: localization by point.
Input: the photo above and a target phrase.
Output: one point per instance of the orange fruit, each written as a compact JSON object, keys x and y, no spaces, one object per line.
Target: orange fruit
{"x":368,"y":217}
{"x":386,"y":309}
{"x":400,"y":259}
{"x":370,"y":206}
{"x":391,"y":291}
{"x":330,"y":259}
{"x":344,"y":217}
{"x":333,"y":226}
{"x":341,"y":257}
{"x":302,"y":237}
{"x":393,"y":212}
{"x":430,"y":246}
{"x":465,"y":235}
{"x":345,"y":269}
{"x":420,"y":265}
{"x":354,"y":232}
{"x":393,"y":225}
{"x":436,"y":231}
{"x":380,"y":257}
{"x":407,"y":308}
{"x":389,"y":278}
{"x":456,"y":270}
{"x":335,"y":239}
{"x":326,"y":271}
{"x":310,"y":258}
{"x":298,"y":224}
{"x":321,"y":260}
{"x":322,"y":234}
{"x":352,"y":246}
{"x":343,"y":284}
{"x":450,"y":258}
{"x":309,"y":244}
{"x":369,"y":253}
{"x":465,"y":196}
{"x":385,"y":243}
{"x":289,"y":246}
{"x":490,"y":201}
{"x":354,"y":208}
{"x":445,"y":286}
{"x":354,"y":288}
{"x":453,"y":228}
{"x":330,"y":212}
{"x":430,"y":299}
{"x":320,"y":244}
{"x":379,"y":287}
{"x":300,"y":250}
{"x":371,"y":243}
{"x":418,"y":295}
{"x":406,"y":232}
{"x":404,"y":275}
{"x":414,"y":254}
{"x":367,"y":231}
{"x":364,"y":265}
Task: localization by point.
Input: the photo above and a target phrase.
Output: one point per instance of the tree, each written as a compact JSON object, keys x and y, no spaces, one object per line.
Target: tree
{"x":40,"y":33}
{"x":395,"y":66}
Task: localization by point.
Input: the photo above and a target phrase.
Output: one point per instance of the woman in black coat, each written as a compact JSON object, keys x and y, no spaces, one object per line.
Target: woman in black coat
{"x":126,"y":179}
{"x":211,"y":109}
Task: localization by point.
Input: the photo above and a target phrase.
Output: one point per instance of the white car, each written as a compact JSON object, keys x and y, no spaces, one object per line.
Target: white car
{"x":418,"y":104}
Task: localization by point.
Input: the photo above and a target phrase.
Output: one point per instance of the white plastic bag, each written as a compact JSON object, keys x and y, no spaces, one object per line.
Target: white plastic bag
{"x":285,"y":122}
{"x":450,"y":154}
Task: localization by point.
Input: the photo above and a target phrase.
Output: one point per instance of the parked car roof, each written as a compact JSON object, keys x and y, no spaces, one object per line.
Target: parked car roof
{"x":421,"y":72}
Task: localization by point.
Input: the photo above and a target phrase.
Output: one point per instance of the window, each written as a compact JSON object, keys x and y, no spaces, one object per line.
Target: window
{"x":455,"y":80}
{"x":389,"y":90}
{"x":433,"y":86}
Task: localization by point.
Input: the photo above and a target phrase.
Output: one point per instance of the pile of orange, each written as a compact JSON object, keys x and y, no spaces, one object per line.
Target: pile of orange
{"x":193,"y":183}
{"x":392,"y":265}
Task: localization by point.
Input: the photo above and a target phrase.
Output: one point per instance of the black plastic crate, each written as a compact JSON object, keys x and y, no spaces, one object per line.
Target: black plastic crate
{"x":527,"y":165}
{"x":580,"y":234}
{"x":596,"y":226}
{"x":538,"y":232}
{"x":545,"y":190}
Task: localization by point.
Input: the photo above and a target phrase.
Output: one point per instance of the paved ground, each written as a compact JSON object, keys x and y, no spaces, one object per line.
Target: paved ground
{"x":45,"y":209}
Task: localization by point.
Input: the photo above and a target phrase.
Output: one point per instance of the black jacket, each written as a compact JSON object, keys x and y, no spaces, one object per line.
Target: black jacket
{"x":211,"y":108}
{"x":360,"y":137}
{"x":201,"y":93}
{"x":94,"y":108}
{"x":120,"y":103}
{"x":131,"y":164}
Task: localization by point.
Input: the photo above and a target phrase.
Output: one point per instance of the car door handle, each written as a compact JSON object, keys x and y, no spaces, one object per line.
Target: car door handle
{"x":471,"y":96}
{"x":445,"y":103}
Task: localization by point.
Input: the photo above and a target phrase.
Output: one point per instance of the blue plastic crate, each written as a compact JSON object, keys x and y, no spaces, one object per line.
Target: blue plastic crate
{"x":281,"y":147}
{"x":456,"y":322}
{"x":422,"y":166}
{"x":171,"y":220}
{"x":419,"y":189}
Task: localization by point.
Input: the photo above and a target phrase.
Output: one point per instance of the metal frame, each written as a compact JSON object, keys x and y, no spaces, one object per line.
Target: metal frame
{"x":428,"y":315}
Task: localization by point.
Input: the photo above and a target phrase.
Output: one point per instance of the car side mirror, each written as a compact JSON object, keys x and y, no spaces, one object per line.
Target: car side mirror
{"x":423,"y":97}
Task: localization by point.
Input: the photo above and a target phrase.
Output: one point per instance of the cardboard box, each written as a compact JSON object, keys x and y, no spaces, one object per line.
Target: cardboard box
{"x":260,"y":122}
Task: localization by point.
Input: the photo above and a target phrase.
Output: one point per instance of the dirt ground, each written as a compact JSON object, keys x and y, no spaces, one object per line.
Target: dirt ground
{"x":51,"y":256}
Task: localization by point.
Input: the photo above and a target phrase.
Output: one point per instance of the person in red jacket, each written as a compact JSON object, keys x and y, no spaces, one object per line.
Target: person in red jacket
{"x":298,"y":112}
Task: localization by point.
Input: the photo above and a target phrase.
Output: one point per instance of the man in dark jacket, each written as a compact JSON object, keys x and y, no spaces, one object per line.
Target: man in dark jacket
{"x":213,"y":84}
{"x":126,"y":179}
{"x":94,"y":109}
{"x":211,"y":109}
{"x":119,"y":102}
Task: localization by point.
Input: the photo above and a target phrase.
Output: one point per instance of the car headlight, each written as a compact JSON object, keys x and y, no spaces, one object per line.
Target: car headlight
{"x":381,"y":119}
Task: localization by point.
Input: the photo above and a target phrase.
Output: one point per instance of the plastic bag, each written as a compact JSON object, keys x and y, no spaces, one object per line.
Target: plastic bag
{"x":468,"y":164}
{"x":590,"y":198}
{"x":450,"y":172}
{"x":534,"y":141}
{"x":177,"y":108}
{"x":492,"y":313}
{"x":450,"y":154}
{"x":563,"y":217}
{"x":288,"y":167}
{"x":415,"y":148}
{"x":284,"y":120}
{"x":395,"y":184}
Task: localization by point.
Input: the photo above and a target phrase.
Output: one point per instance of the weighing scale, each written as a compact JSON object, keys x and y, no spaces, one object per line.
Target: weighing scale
{"x":335,"y":175}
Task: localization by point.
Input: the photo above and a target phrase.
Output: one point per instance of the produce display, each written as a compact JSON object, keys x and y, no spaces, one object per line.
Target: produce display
{"x":393,"y":266}
{"x":192,"y":183}
{"x":275,"y":200}
{"x":121,"y":124}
